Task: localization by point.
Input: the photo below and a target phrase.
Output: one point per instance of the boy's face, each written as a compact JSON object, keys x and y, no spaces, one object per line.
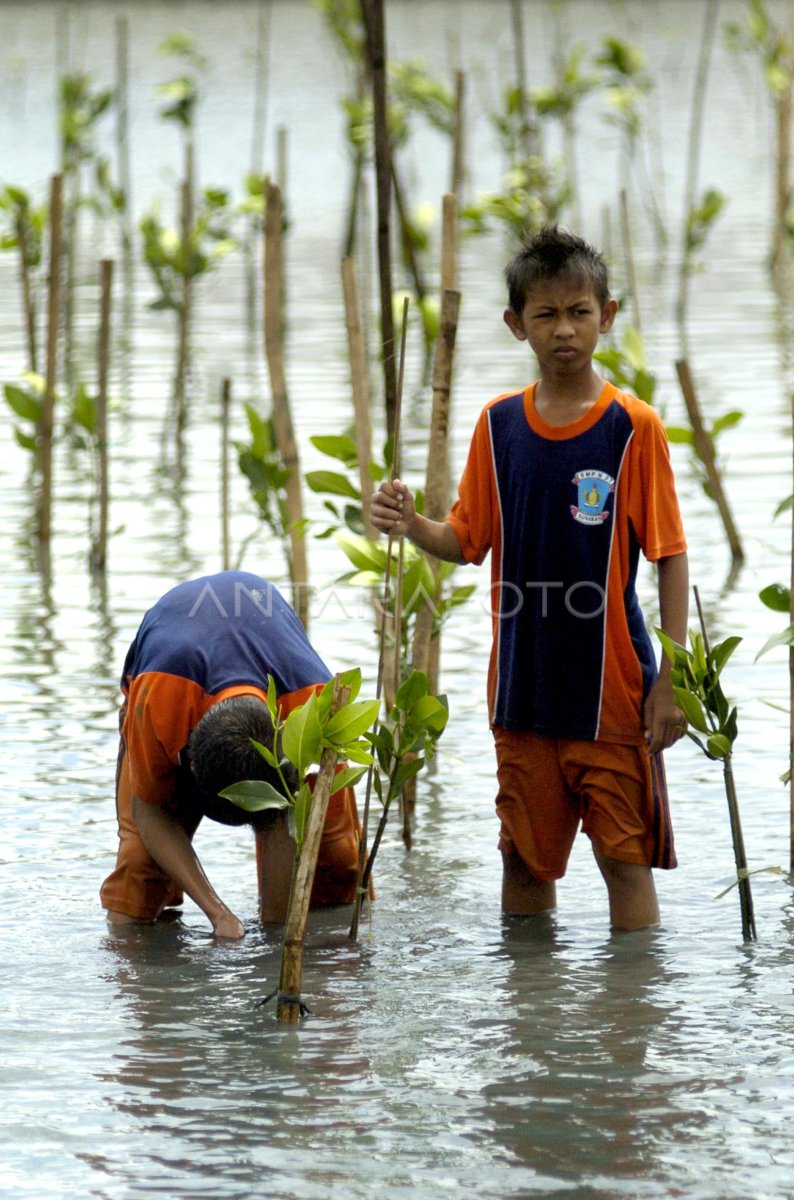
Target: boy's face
{"x":562,"y":320}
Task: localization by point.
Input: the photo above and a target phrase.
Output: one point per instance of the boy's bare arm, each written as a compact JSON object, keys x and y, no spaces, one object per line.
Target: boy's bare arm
{"x":392,"y":511}
{"x":171,"y":849}
{"x":664,"y":721}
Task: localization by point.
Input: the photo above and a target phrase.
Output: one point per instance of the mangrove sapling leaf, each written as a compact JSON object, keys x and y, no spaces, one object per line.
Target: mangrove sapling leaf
{"x":784,"y":506}
{"x":776,"y":596}
{"x":301,"y":737}
{"x":341,"y":447}
{"x":333,"y":482}
{"x":254,"y":795}
{"x":350,"y":679}
{"x":350,"y":722}
{"x":784,"y":638}
{"x":718,"y":746}
{"x":267,"y":754}
{"x":347,"y":777}
{"x":411,"y":690}
{"x":27,"y":405}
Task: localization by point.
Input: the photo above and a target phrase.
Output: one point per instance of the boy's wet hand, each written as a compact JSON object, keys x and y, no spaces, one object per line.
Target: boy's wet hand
{"x":227,"y":925}
{"x":392,"y":508}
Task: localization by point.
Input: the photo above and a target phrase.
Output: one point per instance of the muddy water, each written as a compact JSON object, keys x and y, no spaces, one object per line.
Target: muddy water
{"x":448,"y":1053}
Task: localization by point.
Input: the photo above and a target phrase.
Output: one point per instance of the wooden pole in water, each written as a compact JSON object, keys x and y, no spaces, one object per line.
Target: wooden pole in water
{"x":359,"y":384}
{"x":53,"y":321}
{"x":745,"y":893}
{"x":362,"y":887}
{"x":283,"y":429}
{"x":99,"y":557}
{"x":705,"y":451}
{"x":458,"y":137}
{"x":288,"y":1003}
{"x":376,"y":56}
{"x":791,"y":668}
{"x":226,"y":399}
{"x":24,"y":233}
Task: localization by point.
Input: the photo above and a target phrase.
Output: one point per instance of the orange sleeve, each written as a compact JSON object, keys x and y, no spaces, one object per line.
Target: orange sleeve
{"x":475,"y":514}
{"x":162,"y":711}
{"x":653,"y":503}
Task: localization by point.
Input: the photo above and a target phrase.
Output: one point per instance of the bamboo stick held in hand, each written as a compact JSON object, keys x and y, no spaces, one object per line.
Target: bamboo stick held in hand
{"x":359,"y":383}
{"x":379,"y":686}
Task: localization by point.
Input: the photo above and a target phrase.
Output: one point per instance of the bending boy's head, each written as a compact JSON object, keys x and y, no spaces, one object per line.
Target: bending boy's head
{"x":221,"y":754}
{"x":555,"y":254}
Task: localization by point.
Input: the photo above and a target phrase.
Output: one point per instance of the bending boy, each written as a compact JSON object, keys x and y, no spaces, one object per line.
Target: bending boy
{"x":195,"y":694}
{"x":566,"y":482}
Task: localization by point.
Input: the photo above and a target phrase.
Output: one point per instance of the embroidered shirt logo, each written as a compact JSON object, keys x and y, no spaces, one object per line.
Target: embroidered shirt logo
{"x":593,"y":490}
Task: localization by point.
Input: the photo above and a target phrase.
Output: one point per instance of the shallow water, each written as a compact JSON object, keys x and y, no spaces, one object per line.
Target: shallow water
{"x":449,"y":1052}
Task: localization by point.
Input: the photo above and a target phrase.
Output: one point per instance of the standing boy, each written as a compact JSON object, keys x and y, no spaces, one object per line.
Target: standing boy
{"x":195,"y":695}
{"x":565,"y":482}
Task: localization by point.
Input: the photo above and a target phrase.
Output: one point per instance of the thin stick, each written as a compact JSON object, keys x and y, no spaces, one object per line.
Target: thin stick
{"x":288,"y":1005}
{"x":283,"y":428}
{"x":705,"y":450}
{"x":99,"y":557}
{"x":359,"y":385}
{"x":362,"y":846}
{"x":376,"y":56}
{"x":791,"y":670}
{"x":458,"y":137}
{"x":226,"y":399}
{"x":53,"y":318}
{"x":745,"y":894}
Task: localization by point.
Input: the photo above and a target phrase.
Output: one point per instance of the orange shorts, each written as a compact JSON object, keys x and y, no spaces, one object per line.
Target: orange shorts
{"x":138,"y":887}
{"x":547,"y":786}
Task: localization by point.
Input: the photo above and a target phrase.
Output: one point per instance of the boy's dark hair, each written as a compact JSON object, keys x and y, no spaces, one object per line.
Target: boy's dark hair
{"x":554,"y":253}
{"x":221,"y":754}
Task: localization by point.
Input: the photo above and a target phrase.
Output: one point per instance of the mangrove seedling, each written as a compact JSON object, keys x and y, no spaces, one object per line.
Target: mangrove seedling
{"x":628,"y":366}
{"x":23,"y":231}
{"x":695,"y":676}
{"x":27,"y":405}
{"x":261,"y":463}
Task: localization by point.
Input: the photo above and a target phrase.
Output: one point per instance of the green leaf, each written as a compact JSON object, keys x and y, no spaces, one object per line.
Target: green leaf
{"x":718,"y":745}
{"x":301,"y":739}
{"x":254,"y":795}
{"x":784,"y":506}
{"x":342,"y":448}
{"x":406,"y":771}
{"x":691,"y":708}
{"x":347,"y":777}
{"x":364,"y":554}
{"x":676,"y":654}
{"x":26,"y":406}
{"x":351,"y":722}
{"x":727,"y":421}
{"x":777,"y":597}
{"x":431,"y":713}
{"x":784,"y":638}
{"x":720,"y":654}
{"x":266,"y":753}
{"x":333,"y":482}
{"x":356,"y":753}
{"x":680,"y":435}
{"x":272,"y":699}
{"x":25,"y":440}
{"x":303,"y":802}
{"x":410,"y":690}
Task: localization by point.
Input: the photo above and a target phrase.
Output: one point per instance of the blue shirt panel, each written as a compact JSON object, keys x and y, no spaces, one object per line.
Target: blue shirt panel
{"x":555,"y":570}
{"x":224,"y":630}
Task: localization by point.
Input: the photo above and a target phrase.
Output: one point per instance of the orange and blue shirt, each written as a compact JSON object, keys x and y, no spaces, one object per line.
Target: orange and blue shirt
{"x":565,"y":512}
{"x":202,"y":642}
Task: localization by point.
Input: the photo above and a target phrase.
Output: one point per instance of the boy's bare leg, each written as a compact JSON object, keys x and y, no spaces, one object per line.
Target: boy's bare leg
{"x":523,"y":894}
{"x":632,"y":892}
{"x":275,"y":857}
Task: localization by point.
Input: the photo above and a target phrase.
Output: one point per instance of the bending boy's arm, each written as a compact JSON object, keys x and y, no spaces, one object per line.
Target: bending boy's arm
{"x":392,"y":511}
{"x":171,"y":849}
{"x":664,"y":721}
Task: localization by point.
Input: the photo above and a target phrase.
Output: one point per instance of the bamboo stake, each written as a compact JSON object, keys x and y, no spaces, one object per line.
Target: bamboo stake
{"x":458,"y":136}
{"x":705,"y":450}
{"x":183,"y":349}
{"x":365,"y":861}
{"x":745,"y":894}
{"x":359,"y":383}
{"x":693,"y":157}
{"x":122,"y":135}
{"x":226,"y":398}
{"x":288,"y":1003}
{"x":99,"y":557}
{"x":283,"y":429}
{"x":53,"y":319}
{"x":376,"y":53}
{"x":791,"y":671}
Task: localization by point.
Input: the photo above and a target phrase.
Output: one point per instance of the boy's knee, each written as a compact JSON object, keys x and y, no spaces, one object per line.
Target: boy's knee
{"x":523,"y":893}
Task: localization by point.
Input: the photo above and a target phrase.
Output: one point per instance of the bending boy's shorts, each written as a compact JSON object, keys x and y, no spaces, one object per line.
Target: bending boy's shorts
{"x":138,"y":887}
{"x":548,"y":786}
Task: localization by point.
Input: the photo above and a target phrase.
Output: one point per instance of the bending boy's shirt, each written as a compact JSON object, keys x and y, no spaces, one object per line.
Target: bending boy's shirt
{"x":565,"y":511}
{"x":205,"y":641}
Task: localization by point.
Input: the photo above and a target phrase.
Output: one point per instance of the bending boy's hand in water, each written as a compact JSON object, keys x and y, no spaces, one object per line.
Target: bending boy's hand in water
{"x":392,"y":508}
